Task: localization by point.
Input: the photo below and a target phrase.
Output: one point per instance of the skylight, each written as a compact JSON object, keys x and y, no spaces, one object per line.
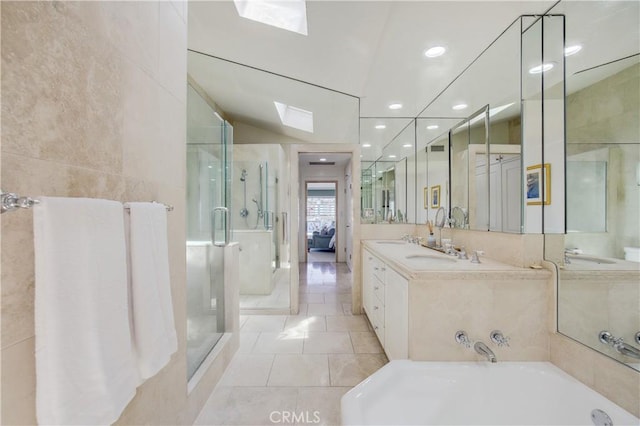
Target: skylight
{"x":290,"y":15}
{"x":297,"y":118}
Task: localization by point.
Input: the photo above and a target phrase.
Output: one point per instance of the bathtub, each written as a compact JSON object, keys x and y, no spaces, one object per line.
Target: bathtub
{"x":472,"y":393}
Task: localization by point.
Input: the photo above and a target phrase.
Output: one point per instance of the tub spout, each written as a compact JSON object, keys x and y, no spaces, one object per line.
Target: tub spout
{"x":484,"y":350}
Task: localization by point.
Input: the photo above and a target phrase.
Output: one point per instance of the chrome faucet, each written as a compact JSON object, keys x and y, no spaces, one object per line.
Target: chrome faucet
{"x":619,"y":345}
{"x":484,"y":350}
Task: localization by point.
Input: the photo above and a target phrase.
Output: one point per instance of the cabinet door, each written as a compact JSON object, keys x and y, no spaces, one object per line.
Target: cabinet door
{"x":367,"y":280}
{"x":396,"y":316}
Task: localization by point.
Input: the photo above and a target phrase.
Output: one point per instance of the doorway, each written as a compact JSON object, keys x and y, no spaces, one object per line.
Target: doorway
{"x":321,"y":207}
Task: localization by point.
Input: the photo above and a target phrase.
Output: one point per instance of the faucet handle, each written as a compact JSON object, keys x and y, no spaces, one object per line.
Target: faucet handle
{"x":475,"y":258}
{"x":498,"y":338}
{"x":463,"y":339}
{"x":462,"y":255}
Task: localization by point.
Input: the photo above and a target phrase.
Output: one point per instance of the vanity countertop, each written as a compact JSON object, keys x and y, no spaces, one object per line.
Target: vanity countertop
{"x":416,"y":262}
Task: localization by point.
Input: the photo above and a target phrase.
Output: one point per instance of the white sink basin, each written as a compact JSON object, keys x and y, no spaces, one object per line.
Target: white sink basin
{"x":430,"y":258}
{"x":391,"y":242}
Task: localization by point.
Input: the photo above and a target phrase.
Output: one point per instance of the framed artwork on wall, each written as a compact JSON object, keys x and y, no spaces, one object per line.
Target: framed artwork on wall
{"x":425,"y":197}
{"x":435,"y":197}
{"x":537,"y":176}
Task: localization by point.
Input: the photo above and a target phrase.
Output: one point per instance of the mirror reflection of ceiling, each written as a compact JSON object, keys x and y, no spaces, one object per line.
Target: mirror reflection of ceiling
{"x":373,"y":52}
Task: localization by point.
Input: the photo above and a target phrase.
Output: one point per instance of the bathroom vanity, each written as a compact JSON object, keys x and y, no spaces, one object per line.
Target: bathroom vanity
{"x":417,"y":298}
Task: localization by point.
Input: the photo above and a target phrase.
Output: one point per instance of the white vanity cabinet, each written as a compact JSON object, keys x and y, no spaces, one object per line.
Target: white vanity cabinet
{"x":385,"y":301}
{"x":396,"y":315}
{"x":373,"y":292}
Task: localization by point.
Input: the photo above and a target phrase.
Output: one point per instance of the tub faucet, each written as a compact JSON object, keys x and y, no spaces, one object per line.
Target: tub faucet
{"x":484,"y":350}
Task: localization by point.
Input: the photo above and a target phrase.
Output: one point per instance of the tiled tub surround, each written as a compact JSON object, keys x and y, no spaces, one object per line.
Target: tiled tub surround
{"x":448,"y":296}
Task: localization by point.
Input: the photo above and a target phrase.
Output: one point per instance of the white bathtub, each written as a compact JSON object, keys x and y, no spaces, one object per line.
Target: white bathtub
{"x":471,"y":393}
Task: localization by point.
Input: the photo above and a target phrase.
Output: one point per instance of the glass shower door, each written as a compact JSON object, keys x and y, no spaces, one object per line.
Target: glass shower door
{"x":209,"y":140}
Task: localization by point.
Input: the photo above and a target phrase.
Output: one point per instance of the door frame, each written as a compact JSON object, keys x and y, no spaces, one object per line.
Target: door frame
{"x":304,"y":216}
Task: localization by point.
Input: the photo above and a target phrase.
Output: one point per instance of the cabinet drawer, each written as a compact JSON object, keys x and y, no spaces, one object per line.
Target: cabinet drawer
{"x":378,"y":292}
{"x":378,"y":268}
{"x":377,"y":320}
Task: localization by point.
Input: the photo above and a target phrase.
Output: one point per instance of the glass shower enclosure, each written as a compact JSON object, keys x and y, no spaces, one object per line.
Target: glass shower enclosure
{"x":209,"y":151}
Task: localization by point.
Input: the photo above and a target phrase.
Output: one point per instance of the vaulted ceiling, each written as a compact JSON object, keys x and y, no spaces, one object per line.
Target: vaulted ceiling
{"x":361,"y":56}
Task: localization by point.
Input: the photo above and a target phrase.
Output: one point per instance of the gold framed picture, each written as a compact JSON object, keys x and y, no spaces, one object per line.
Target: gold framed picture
{"x":435,"y":197}
{"x":425,"y":197}
{"x":539,"y":184}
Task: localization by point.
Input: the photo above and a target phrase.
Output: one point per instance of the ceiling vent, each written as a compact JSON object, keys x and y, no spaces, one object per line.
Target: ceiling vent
{"x":322,"y":163}
{"x":437,"y":148}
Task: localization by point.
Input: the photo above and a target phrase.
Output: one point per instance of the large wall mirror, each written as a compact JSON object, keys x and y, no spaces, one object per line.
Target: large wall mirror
{"x":599,"y":256}
{"x":388,"y":167}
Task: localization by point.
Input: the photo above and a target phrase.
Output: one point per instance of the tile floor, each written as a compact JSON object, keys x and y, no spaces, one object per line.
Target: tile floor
{"x":293,"y":369}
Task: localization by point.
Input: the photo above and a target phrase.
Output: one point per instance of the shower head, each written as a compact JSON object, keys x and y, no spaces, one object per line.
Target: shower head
{"x":244,"y":175}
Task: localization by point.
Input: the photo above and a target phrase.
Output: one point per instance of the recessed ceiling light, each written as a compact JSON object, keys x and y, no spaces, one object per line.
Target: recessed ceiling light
{"x":432,"y":127}
{"x":380,"y":171}
{"x":541,"y":68}
{"x":323,"y":159}
{"x":572,"y":50}
{"x":297,"y":118}
{"x":434,"y":52}
{"x":380,"y":126}
{"x":395,"y":106}
{"x":459,"y":107}
{"x":407,"y":145}
{"x":211,"y":167}
{"x":366,"y":145}
{"x":392,"y":156}
{"x":287,"y":15}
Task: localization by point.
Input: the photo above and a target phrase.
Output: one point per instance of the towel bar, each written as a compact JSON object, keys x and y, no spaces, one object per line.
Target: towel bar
{"x":10,"y":201}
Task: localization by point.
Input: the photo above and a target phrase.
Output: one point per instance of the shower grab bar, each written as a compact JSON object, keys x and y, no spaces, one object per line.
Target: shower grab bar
{"x":10,"y":201}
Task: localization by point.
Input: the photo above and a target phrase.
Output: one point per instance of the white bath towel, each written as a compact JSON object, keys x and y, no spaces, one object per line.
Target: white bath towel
{"x":85,"y":368}
{"x":153,"y":326}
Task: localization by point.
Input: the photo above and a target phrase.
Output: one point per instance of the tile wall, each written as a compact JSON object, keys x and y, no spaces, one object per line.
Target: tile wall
{"x":93,"y":105}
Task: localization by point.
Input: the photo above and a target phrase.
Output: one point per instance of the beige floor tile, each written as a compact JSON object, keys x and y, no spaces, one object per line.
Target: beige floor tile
{"x":312,"y":298}
{"x":213,"y":411}
{"x":337,"y":298}
{"x":349,"y":370}
{"x":300,"y":323}
{"x":330,"y":342}
{"x":286,"y":342}
{"x":365,"y":342}
{"x":248,"y":370}
{"x":321,"y":404}
{"x":300,"y":370}
{"x":258,"y":406}
{"x":303,"y":309}
{"x":264,"y":323}
{"x":347,"y":323}
{"x":247,"y":341}
{"x":325,"y":309}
